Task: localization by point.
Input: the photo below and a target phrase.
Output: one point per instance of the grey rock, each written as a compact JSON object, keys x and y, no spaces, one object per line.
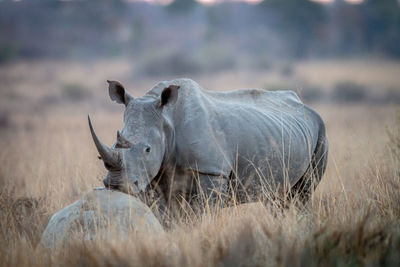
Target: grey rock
{"x":100,"y":214}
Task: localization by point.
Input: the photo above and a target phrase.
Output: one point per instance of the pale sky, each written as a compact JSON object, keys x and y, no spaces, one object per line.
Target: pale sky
{"x":211,"y":2}
{"x":330,"y":1}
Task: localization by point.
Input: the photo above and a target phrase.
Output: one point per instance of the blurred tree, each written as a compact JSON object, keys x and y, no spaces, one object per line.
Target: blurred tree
{"x":382,"y":26}
{"x":370,"y":27}
{"x":345,"y":24}
{"x":138,"y":33}
{"x":182,"y":6}
{"x":275,"y":28}
{"x":298,"y":21}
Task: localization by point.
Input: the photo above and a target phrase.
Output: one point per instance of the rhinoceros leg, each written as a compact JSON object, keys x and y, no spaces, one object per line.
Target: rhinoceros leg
{"x":308,"y":183}
{"x":212,"y":190}
{"x":186,"y":192}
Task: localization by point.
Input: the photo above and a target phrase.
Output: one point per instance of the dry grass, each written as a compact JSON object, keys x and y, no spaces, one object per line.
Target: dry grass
{"x":370,"y":72}
{"x":48,"y":161}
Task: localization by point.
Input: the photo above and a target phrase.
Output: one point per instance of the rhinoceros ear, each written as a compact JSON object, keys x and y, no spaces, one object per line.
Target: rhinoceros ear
{"x":169,"y":95}
{"x":118,"y":93}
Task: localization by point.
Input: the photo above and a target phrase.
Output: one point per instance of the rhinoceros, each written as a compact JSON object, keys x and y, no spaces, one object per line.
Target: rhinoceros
{"x":186,"y":141}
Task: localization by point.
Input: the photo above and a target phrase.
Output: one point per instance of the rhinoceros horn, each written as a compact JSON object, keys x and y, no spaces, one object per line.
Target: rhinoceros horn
{"x":108,"y":155}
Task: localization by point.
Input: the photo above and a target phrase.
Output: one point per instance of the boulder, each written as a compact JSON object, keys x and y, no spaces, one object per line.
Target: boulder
{"x":100,"y":214}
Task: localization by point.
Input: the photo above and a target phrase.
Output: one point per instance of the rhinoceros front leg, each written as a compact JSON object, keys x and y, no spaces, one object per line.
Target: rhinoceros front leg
{"x":199,"y":191}
{"x":212,"y":190}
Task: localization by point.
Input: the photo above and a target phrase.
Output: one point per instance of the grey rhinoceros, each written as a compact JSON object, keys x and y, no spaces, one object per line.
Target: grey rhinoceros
{"x":184,"y":141}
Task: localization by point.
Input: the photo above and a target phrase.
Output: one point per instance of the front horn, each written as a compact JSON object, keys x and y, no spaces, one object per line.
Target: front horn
{"x":108,"y":155}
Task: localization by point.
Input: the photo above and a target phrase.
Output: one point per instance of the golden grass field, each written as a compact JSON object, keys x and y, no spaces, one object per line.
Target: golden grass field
{"x":48,"y":160}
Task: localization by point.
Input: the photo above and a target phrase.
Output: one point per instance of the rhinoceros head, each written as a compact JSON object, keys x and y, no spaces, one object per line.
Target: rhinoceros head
{"x":138,"y":153}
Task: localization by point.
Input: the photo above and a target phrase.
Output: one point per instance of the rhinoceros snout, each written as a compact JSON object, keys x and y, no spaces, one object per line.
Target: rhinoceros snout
{"x":107,"y":184}
{"x":121,"y":186}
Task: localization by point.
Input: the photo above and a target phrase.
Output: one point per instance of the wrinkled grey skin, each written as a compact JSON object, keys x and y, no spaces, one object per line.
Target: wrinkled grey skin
{"x":245,"y":140}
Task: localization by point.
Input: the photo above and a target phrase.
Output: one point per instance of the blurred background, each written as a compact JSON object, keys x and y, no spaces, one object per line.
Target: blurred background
{"x":61,"y":52}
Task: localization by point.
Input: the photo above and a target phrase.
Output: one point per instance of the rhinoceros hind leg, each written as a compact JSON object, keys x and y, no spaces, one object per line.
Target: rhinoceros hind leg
{"x":309,"y":181}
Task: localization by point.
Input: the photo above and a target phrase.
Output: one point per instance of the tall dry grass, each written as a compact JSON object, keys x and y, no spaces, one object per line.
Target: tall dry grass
{"x":49,"y":161}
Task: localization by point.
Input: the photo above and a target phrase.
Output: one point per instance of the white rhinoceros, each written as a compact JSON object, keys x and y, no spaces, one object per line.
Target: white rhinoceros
{"x":186,"y":142}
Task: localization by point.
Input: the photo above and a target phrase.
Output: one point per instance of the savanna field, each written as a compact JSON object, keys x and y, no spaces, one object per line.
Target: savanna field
{"x":48,"y":160}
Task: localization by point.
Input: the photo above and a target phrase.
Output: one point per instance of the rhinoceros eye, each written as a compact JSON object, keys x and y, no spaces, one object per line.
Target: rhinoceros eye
{"x":147,"y":149}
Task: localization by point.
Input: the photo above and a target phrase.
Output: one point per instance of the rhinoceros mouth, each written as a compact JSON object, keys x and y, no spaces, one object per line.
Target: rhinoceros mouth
{"x":110,"y":185}
{"x":113,"y":186}
{"x":114,"y":182}
{"x":117,"y":186}
{"x":128,"y":189}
